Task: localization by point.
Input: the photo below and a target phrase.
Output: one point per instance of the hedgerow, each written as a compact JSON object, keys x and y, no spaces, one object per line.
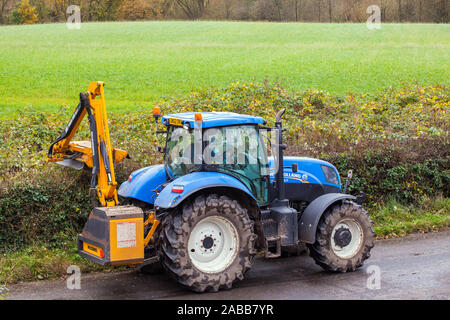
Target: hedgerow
{"x":396,"y":142}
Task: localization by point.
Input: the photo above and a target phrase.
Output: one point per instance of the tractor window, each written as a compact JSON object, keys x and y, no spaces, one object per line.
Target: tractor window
{"x":234,"y":150}
{"x":238,"y":151}
{"x":179,"y":157}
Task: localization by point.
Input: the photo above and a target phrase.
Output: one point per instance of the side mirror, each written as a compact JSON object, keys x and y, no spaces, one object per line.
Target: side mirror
{"x":294,"y":167}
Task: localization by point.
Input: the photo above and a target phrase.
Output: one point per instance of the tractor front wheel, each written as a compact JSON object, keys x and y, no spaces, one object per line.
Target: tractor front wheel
{"x":344,"y":238}
{"x":209,"y":245}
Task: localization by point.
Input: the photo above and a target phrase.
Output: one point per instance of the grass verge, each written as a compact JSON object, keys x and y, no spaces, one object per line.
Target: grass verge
{"x":392,"y":219}
{"x":37,"y":262}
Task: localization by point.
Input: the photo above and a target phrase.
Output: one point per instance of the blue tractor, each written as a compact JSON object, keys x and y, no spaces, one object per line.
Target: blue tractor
{"x":216,"y":201}
{"x":218,"y":212}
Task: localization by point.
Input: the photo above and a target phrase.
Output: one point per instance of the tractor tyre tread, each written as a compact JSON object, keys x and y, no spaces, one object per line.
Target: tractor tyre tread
{"x":174,"y":235}
{"x":321,"y":250}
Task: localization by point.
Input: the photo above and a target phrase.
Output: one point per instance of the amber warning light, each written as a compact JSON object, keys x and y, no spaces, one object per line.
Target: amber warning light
{"x":198,"y":116}
{"x":156,"y":113}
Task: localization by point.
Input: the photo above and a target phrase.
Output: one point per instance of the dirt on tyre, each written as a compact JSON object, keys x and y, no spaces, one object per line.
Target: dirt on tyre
{"x":209,"y":245}
{"x":344,"y":238}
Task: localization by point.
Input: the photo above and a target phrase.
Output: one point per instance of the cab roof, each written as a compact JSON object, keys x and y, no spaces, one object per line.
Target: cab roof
{"x":214,"y":119}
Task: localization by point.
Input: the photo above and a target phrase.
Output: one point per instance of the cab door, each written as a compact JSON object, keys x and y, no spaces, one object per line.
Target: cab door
{"x":238,"y":151}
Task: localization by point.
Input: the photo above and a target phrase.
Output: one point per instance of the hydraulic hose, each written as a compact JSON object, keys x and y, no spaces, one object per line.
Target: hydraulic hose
{"x":84,"y":101}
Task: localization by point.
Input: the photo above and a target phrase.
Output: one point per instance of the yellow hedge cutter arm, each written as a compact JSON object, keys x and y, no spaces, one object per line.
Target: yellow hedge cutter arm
{"x":97,"y":153}
{"x":113,"y":234}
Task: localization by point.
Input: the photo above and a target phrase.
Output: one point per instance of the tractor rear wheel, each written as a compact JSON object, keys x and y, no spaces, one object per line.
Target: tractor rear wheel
{"x":344,"y":238}
{"x":209,"y":245}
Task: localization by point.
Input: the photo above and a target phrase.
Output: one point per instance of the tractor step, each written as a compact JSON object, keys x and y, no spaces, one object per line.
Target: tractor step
{"x":272,"y":243}
{"x":273,"y":247}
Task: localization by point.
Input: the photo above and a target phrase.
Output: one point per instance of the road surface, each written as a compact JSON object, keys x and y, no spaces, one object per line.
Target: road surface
{"x":413,"y":267}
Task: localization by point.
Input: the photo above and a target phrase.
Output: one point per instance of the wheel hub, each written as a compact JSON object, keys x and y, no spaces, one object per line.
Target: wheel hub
{"x":213,"y":244}
{"x":347,"y":238}
{"x":208,"y":242}
{"x":342,"y":237}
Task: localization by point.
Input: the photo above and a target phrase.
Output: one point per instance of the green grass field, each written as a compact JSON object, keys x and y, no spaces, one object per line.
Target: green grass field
{"x":45,"y":66}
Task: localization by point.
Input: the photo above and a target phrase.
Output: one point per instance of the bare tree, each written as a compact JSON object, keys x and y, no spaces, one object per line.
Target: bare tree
{"x":228,"y":6}
{"x":420,"y":11}
{"x":277,"y":4}
{"x":265,"y":10}
{"x":383,"y":8}
{"x":443,"y":11}
{"x":409,"y":10}
{"x":297,"y":6}
{"x":298,"y":9}
{"x":330,"y":10}
{"x":319,"y":6}
{"x":194,"y":9}
{"x":346,"y":10}
{"x":3,"y":4}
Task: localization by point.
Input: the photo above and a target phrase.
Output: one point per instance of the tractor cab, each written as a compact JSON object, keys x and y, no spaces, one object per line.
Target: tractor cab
{"x":228,"y":143}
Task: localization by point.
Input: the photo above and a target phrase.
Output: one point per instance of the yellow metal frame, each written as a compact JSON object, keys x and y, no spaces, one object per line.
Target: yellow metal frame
{"x":106,"y":190}
{"x":106,"y":186}
{"x":154,"y":222}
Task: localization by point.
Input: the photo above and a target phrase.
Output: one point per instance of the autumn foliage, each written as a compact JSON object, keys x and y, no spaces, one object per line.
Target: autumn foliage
{"x":24,"y":13}
{"x":247,"y":10}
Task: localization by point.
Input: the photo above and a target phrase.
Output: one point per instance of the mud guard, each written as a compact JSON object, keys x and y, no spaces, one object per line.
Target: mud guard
{"x":144,"y":184}
{"x":312,"y":214}
{"x":181,"y":188}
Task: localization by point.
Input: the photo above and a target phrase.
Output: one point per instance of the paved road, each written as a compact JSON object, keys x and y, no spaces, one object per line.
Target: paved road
{"x":414,"y":267}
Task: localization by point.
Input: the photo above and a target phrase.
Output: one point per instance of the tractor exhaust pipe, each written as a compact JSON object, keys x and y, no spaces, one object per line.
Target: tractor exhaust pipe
{"x":286,"y":218}
{"x":279,"y":177}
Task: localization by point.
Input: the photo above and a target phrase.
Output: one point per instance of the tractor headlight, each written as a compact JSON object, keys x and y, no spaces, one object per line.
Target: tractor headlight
{"x":330,"y":174}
